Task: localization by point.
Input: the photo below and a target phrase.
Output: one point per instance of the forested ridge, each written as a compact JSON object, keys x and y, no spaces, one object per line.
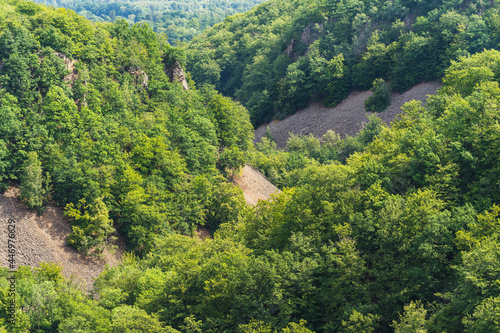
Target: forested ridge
{"x":393,"y":230}
{"x":180,"y":20}
{"x":281,"y":55}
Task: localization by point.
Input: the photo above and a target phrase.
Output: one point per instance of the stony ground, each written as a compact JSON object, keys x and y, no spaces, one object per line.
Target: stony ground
{"x":347,"y":118}
{"x":254,"y":185}
{"x":42,"y":238}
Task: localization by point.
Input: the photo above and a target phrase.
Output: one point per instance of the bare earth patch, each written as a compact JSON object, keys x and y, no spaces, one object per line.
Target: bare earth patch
{"x":203,"y":233}
{"x":43,"y":239}
{"x":254,"y":185}
{"x":347,"y":118}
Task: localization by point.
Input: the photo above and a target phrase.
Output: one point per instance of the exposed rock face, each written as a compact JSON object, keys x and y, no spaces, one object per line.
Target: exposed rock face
{"x":70,"y":66}
{"x":310,"y":34}
{"x":72,"y":76}
{"x":140,"y":76}
{"x":289,"y":49}
{"x":176,"y":74}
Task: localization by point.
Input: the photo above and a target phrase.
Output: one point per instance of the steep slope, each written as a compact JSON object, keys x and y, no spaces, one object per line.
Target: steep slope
{"x":283,"y":54}
{"x":100,"y":120}
{"x":42,"y":238}
{"x":254,"y":185}
{"x":347,"y":118}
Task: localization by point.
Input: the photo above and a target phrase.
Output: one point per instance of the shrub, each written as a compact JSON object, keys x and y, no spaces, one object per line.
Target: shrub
{"x":381,"y":98}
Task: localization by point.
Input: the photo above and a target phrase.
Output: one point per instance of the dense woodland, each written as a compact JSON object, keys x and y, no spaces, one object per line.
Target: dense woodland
{"x":180,"y":20}
{"x":281,"y":55}
{"x":394,"y":230}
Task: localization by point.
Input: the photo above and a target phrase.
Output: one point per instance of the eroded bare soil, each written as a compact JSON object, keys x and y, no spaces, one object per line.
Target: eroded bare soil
{"x":347,"y":118}
{"x":42,"y":238}
{"x":254,"y":185}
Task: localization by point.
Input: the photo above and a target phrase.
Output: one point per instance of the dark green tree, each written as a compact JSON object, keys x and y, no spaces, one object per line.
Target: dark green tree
{"x":381,"y":97}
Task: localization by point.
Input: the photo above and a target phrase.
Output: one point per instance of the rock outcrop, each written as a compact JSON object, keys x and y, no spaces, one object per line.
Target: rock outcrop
{"x":309,"y":35}
{"x":140,"y":76}
{"x":70,"y":66}
{"x":176,"y":74}
{"x":289,"y":49}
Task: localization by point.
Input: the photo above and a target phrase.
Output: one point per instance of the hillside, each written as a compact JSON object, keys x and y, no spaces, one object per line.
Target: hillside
{"x":417,"y":200}
{"x":255,"y":187}
{"x":179,"y":20}
{"x":393,"y":229}
{"x":42,"y":239}
{"x":347,"y":118}
{"x":284,"y":54}
{"x":100,"y":121}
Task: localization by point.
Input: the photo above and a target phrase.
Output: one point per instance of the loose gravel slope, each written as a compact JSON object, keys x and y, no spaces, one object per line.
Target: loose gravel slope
{"x":347,"y":118}
{"x":254,"y":185}
{"x":43,"y":239}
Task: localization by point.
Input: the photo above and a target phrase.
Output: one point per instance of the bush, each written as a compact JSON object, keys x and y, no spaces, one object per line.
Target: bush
{"x":32,"y":191}
{"x":381,"y":98}
{"x":231,"y":159}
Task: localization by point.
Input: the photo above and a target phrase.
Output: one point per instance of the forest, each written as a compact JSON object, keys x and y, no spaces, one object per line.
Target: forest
{"x":180,"y":20}
{"x":396,"y":229}
{"x":279,"y":56}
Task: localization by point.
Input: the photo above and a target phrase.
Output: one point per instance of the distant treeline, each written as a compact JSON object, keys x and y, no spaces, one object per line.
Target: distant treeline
{"x":180,"y":20}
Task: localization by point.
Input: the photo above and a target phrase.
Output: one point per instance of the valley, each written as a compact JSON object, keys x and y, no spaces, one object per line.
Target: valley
{"x":144,"y":201}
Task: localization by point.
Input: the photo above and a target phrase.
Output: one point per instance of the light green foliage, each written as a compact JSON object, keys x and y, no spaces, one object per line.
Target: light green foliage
{"x":51,"y":71}
{"x":485,"y":317}
{"x":302,"y":144}
{"x":214,"y":285}
{"x":230,"y":120}
{"x":358,"y":322}
{"x":256,"y":326}
{"x":192,"y":325}
{"x":127,"y":319}
{"x":46,"y":300}
{"x":32,"y":191}
{"x":116,"y":286}
{"x":381,"y":97}
{"x":413,"y":319}
{"x":61,"y":114}
{"x":332,"y":81}
{"x":92,"y":227}
{"x":297,"y":328}
{"x":463,"y":76}
{"x":371,"y":130}
{"x":281,"y":55}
